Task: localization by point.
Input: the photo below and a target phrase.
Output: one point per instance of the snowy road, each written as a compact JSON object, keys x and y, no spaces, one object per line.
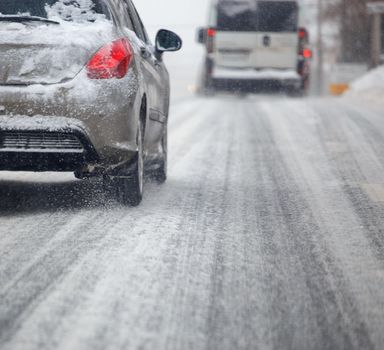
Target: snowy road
{"x":268,"y":235}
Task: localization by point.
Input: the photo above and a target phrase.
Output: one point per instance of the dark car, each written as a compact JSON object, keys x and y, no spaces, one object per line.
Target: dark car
{"x":83,"y":89}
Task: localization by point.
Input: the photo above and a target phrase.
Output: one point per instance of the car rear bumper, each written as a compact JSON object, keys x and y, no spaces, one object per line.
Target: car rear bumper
{"x":259,"y":85}
{"x":55,"y":144}
{"x":33,"y":148}
{"x":102,"y":115}
{"x":13,"y":161}
{"x":250,"y":74}
{"x":253,"y":79}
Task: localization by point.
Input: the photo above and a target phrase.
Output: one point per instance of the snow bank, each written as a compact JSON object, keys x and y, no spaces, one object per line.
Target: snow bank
{"x":369,"y":87}
{"x":372,"y":80}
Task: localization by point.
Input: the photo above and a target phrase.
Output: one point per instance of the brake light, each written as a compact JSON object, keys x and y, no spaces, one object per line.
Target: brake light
{"x":111,"y":61}
{"x":303,"y":34}
{"x":211,"y":33}
{"x":307,"y":53}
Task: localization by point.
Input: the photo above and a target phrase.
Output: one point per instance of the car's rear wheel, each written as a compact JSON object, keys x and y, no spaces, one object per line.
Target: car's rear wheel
{"x":159,"y":175}
{"x":129,"y":189}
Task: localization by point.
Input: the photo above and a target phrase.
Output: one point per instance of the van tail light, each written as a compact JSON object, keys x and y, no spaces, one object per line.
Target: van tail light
{"x":304,"y":52}
{"x":303,"y":34}
{"x":307,"y":53}
{"x":211,"y":33}
{"x":111,"y":61}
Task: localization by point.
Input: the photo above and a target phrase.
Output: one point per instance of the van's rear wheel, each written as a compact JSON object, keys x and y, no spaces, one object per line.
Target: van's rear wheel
{"x":296,"y":91}
{"x":209,"y":88}
{"x":207,"y":83}
{"x":300,"y":91}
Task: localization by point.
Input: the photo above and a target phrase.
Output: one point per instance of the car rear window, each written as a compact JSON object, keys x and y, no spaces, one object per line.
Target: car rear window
{"x":253,"y":15}
{"x":69,"y":10}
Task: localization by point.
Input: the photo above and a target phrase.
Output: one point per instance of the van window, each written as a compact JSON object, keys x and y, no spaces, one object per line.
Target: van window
{"x":261,"y":16}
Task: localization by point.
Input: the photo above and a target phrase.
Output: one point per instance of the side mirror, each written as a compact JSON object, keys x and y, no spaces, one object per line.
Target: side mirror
{"x":201,"y":35}
{"x":167,"y":41}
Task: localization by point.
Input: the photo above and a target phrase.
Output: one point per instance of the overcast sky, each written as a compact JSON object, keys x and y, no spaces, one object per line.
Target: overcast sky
{"x":184,"y":17}
{"x":177,"y":12}
{"x":173,"y":12}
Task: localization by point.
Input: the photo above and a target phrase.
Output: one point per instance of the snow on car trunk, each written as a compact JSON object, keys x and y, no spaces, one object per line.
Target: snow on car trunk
{"x":44,"y":53}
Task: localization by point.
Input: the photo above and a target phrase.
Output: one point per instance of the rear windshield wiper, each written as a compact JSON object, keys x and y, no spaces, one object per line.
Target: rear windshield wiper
{"x":20,"y":19}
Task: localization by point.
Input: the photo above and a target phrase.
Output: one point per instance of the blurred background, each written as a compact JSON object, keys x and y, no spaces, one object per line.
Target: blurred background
{"x":345,"y":36}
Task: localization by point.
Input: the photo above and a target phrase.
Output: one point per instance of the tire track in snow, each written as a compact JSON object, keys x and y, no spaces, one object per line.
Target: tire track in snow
{"x":253,"y":243}
{"x":343,"y":239}
{"x":92,"y":224}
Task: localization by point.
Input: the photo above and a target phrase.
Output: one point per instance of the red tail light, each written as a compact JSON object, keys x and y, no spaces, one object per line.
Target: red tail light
{"x":307,"y":53}
{"x":303,"y":34}
{"x":111,"y":61}
{"x":211,"y":33}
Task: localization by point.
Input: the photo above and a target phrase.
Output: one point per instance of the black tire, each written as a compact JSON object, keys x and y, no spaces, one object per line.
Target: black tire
{"x":159,"y":175}
{"x":295,"y":92}
{"x":207,"y":85}
{"x":305,"y":86}
{"x":129,"y":189}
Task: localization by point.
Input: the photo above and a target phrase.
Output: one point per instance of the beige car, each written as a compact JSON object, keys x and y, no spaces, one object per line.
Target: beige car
{"x":83,"y":89}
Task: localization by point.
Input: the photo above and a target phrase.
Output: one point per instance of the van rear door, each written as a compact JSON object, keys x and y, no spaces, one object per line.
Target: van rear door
{"x":256,"y":34}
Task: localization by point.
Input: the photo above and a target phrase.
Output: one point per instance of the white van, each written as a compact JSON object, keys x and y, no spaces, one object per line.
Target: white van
{"x":255,"y":43}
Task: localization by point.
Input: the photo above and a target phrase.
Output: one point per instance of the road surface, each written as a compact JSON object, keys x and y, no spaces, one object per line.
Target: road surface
{"x":269,"y":234}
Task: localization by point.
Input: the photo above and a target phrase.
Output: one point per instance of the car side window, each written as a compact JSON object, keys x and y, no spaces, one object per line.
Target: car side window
{"x":136,"y":21}
{"x":125,"y":19}
{"x":147,"y":40}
